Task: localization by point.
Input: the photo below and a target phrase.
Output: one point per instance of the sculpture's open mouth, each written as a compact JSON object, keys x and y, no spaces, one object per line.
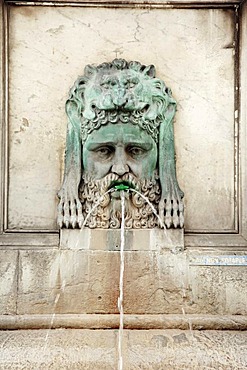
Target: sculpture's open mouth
{"x":119,"y":185}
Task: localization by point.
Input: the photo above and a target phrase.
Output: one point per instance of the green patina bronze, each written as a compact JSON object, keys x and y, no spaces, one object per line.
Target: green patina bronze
{"x":120,"y":131}
{"x":117,"y":147}
{"x":121,"y":187}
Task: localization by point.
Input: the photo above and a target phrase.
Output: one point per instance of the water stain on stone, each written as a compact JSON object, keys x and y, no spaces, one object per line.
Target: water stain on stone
{"x":181,"y":338}
{"x":25,"y":122}
{"x":55,"y":31}
{"x":27,"y":11}
{"x":160,"y":340}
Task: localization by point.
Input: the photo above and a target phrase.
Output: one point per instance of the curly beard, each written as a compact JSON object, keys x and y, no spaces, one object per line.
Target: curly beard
{"x":103,"y":210}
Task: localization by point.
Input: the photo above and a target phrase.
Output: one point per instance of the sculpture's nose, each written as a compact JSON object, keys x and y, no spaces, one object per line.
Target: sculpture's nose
{"x":120,"y":167}
{"x":120,"y":97}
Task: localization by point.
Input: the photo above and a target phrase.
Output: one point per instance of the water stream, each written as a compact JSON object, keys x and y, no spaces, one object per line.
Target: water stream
{"x":95,"y":206}
{"x":121,"y":276}
{"x":151,"y":206}
{"x":162,"y":225}
{"x":189,"y":321}
{"x":64,"y":282}
{"x":54,"y":308}
{"x":91,"y":211}
{"x":120,"y":299}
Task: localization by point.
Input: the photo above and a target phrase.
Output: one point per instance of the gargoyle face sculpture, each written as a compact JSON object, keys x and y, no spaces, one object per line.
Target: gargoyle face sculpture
{"x":120,"y":131}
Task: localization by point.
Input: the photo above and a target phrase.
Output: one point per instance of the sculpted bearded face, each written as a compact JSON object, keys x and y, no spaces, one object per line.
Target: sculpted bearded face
{"x":118,"y":153}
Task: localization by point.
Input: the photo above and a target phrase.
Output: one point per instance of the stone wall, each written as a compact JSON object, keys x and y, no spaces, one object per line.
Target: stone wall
{"x":87,"y":282}
{"x":199,"y":69}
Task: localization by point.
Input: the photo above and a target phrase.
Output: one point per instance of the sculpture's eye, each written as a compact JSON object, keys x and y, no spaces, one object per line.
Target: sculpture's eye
{"x":135,"y":151}
{"x":133,"y":82}
{"x":104,"y":152}
{"x":108,"y":83}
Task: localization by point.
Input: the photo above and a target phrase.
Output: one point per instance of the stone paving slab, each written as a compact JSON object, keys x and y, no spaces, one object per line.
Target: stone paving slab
{"x":142,"y":349}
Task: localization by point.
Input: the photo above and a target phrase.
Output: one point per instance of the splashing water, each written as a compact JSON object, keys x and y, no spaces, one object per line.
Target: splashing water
{"x":91,"y":211}
{"x":54,"y":314}
{"x":163,"y":226}
{"x":151,"y":206}
{"x":188,"y":320}
{"x":120,"y":298}
{"x":95,"y":206}
{"x":174,"y":250}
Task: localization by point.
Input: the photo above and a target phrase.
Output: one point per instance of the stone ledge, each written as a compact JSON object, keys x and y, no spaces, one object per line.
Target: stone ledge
{"x":142,"y":349}
{"x":149,"y":3}
{"x":110,"y":239}
{"x":134,"y":322}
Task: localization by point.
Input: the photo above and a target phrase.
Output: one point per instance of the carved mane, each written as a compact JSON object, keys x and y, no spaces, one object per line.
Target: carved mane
{"x":143,"y":98}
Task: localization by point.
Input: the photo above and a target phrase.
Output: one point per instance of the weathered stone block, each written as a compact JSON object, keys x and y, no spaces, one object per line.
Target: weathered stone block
{"x":58,"y":349}
{"x":218,"y":289}
{"x":68,"y":282}
{"x":76,"y":281}
{"x":82,"y":281}
{"x":49,"y":278}
{"x":176,"y":349}
{"x":8,"y":286}
{"x":155,"y":283}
